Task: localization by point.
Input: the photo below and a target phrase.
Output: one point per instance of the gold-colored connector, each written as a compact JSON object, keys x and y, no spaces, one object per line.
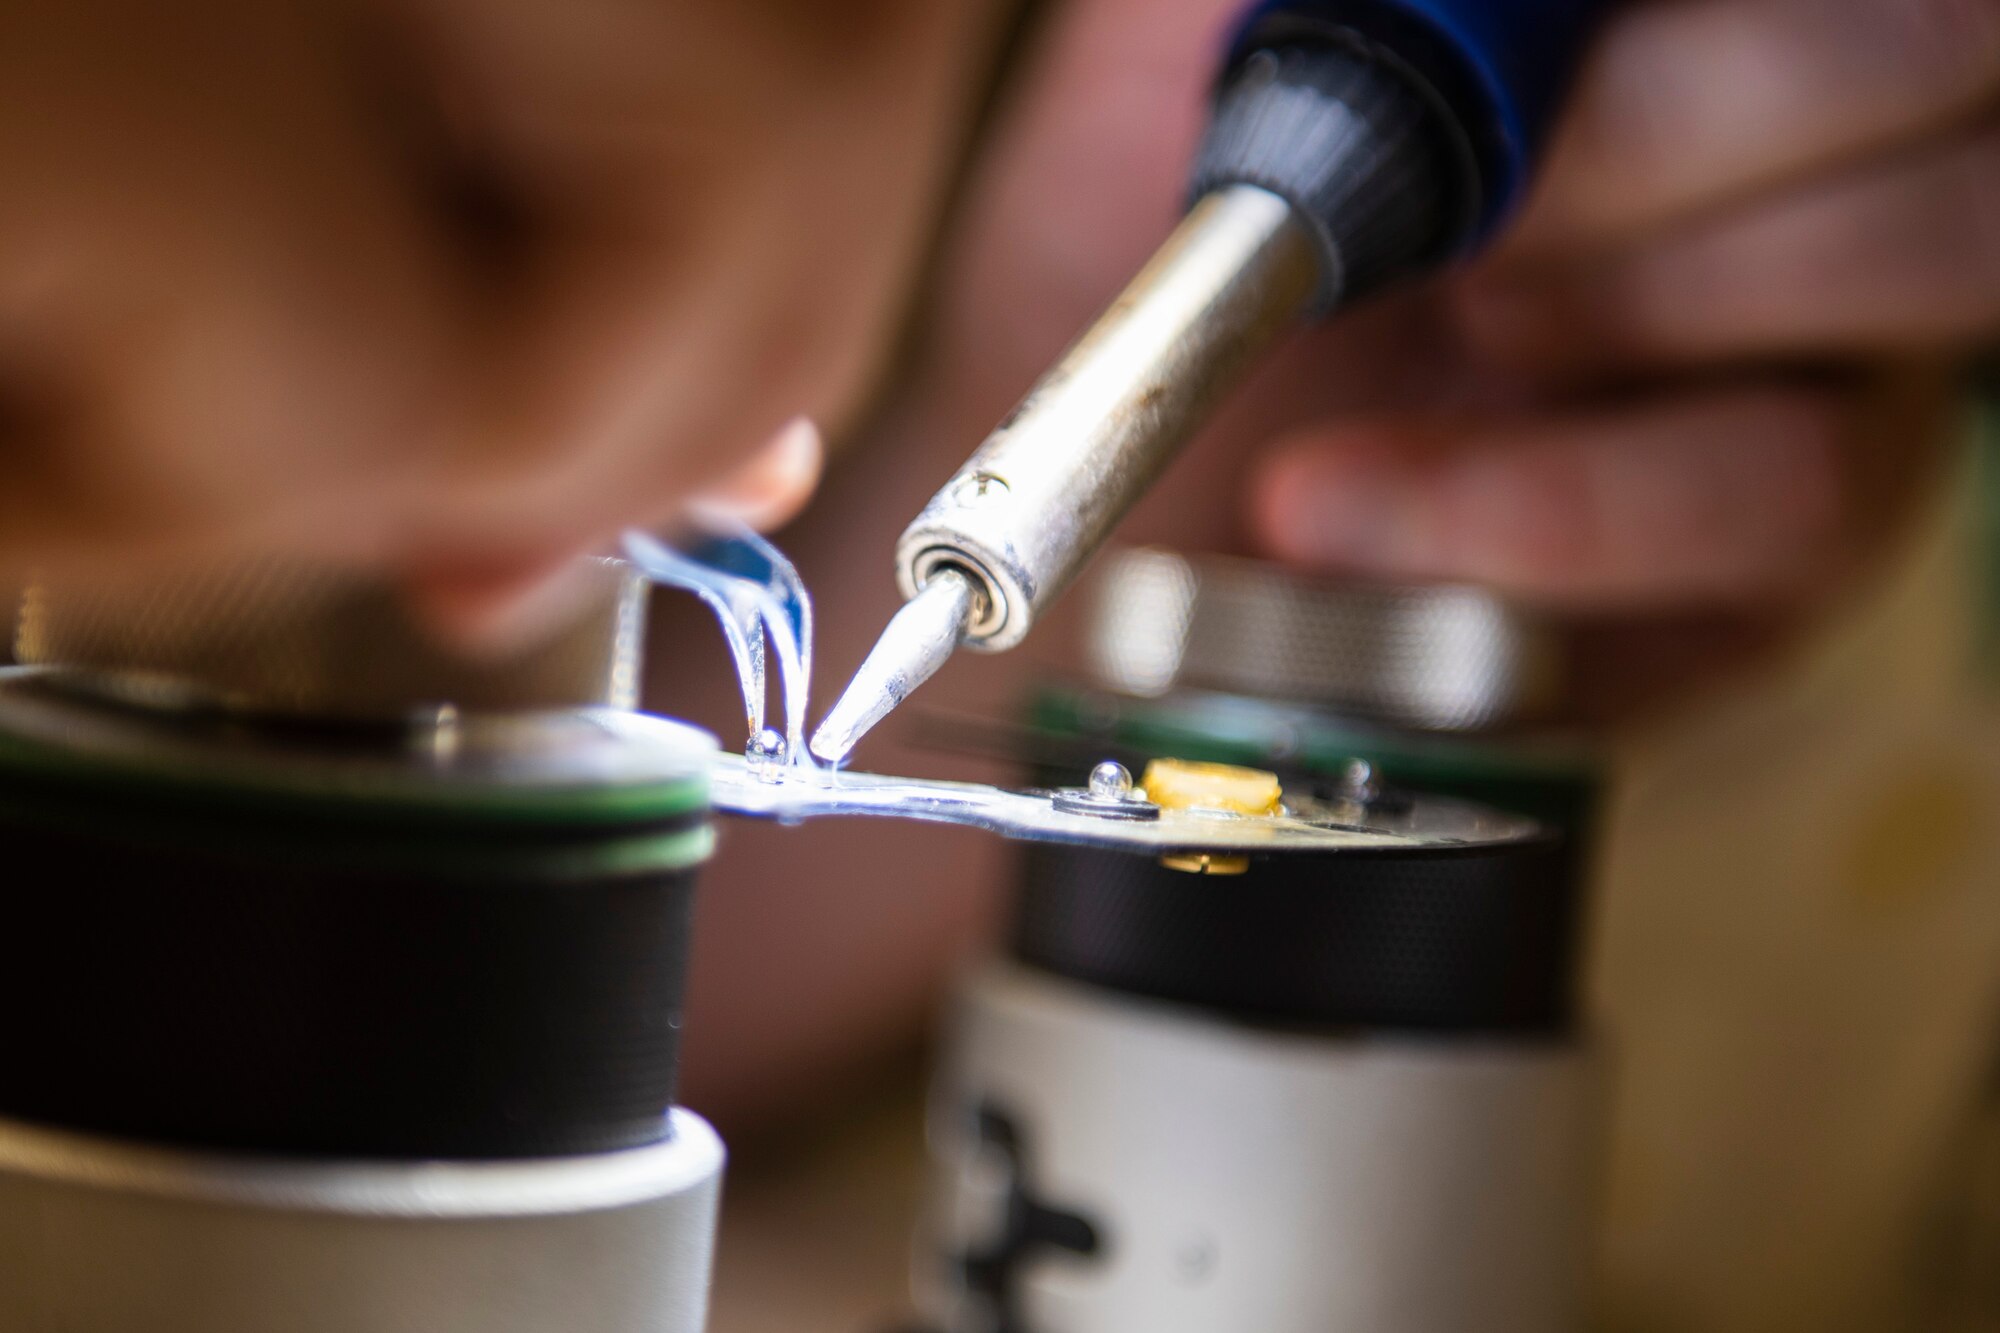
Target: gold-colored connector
{"x":1187,"y":784}
{"x":1204,"y":863}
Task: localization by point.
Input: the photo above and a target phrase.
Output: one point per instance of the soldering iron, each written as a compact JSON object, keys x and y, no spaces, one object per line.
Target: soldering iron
{"x":1351,"y":144}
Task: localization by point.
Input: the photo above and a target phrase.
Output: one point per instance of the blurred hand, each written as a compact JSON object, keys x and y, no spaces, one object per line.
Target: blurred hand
{"x":455,"y":287}
{"x":1688,"y":398}
{"x":1712,"y":364}
{"x":1742,"y":475}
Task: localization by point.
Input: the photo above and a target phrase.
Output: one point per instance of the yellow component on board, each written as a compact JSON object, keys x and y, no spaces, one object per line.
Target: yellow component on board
{"x":1185,"y":784}
{"x":1206,"y":863}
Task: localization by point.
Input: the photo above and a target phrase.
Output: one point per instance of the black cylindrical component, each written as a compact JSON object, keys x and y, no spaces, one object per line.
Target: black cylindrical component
{"x":1364,"y":151}
{"x":443,"y":967}
{"x":1450,"y":939}
{"x":1432,"y":691}
{"x":179,"y":995}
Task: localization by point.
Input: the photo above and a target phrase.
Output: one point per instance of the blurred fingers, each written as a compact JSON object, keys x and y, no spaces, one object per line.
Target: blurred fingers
{"x":1686,"y":105}
{"x":708,"y":252}
{"x":498,"y":607}
{"x":772,"y":485}
{"x":223,"y":317}
{"x":503,"y":600}
{"x":1905,"y":254}
{"x":1721,"y":498}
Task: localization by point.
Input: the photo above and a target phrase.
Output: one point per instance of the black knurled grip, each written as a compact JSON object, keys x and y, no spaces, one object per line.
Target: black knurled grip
{"x":1358,"y":146}
{"x":251,"y":1001}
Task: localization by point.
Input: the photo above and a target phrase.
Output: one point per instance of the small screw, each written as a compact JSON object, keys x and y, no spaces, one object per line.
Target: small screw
{"x":1358,"y":782}
{"x":767,"y":753}
{"x":1109,"y":794}
{"x":1110,"y":780}
{"x":978,"y":489}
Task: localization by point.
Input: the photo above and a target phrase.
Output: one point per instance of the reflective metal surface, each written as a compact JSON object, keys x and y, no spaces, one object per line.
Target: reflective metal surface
{"x":1310,"y":825}
{"x":921,"y":638}
{"x":756,"y":594}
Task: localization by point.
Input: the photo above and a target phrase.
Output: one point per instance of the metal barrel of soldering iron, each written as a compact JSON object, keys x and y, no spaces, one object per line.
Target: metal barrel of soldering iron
{"x":1352,"y":143}
{"x":342,"y":978}
{"x":1306,"y":1098}
{"x":1329,"y":1093}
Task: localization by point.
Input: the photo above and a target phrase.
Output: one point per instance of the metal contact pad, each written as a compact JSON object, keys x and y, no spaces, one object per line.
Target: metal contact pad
{"x":797,"y":793}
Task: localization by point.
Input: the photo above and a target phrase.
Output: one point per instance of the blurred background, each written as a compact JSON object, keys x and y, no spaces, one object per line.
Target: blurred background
{"x":1792,"y":949}
{"x":1792,"y":953}
{"x":1745,"y":331}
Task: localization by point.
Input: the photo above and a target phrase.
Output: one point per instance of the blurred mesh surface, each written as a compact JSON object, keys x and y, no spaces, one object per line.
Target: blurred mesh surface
{"x":302,"y":639}
{"x":1442,"y":657}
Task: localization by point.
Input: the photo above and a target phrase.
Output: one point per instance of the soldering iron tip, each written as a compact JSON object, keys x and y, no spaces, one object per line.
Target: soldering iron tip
{"x":919,"y":640}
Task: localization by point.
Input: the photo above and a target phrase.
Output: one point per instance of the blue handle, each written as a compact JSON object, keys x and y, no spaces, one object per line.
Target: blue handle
{"x":1502,"y":67}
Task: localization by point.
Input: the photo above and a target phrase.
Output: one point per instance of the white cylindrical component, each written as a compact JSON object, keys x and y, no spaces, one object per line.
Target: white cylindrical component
{"x":1241,"y":1178}
{"x":101,"y":1236}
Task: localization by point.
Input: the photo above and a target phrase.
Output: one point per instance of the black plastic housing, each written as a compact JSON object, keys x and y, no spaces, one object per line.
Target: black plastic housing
{"x":1458,"y":940}
{"x":1365,"y":153}
{"x":328,"y":987}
